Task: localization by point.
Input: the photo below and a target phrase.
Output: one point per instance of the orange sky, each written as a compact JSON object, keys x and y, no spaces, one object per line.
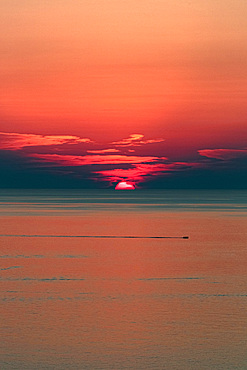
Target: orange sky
{"x":106,"y":69}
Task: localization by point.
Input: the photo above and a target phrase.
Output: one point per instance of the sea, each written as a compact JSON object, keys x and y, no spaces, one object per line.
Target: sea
{"x":130,"y":279}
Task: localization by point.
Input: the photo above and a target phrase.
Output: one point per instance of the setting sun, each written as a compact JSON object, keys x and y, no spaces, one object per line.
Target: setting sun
{"x":123,"y":185}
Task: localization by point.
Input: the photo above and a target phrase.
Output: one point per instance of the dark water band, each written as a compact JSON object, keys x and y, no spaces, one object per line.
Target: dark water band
{"x":96,"y":236}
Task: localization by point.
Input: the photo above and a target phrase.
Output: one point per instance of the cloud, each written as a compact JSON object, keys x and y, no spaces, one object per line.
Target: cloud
{"x":61,"y":160}
{"x":142,"y":172}
{"x":134,"y":174}
{"x":75,"y":160}
{"x":102,"y":151}
{"x":16,"y":141}
{"x":35,"y":142}
{"x":31,"y":170}
{"x":223,"y":154}
{"x":136,"y":140}
{"x":111,"y":167}
{"x":130,"y":140}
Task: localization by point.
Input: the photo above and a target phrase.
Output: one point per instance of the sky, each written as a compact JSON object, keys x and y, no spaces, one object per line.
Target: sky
{"x":96,"y":92}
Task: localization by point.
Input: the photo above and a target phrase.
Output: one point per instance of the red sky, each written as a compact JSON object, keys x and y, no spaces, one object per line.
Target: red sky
{"x":141,"y":85}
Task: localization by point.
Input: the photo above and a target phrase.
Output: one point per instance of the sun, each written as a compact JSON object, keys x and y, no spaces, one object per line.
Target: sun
{"x":123,"y":185}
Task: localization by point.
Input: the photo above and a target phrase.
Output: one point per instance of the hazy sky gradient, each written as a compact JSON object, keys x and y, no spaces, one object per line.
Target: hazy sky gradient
{"x":105,"y":70}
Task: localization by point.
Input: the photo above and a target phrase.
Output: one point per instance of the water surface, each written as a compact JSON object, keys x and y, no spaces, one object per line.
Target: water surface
{"x":109,"y":303}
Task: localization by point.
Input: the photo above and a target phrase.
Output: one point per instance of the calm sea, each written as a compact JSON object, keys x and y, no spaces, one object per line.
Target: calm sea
{"x":74,"y":297}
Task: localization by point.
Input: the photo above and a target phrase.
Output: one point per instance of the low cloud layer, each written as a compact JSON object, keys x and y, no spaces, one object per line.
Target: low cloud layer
{"x":223,"y":154}
{"x":66,"y":160}
{"x":72,"y":160}
{"x":16,"y":141}
{"x":139,"y":173}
